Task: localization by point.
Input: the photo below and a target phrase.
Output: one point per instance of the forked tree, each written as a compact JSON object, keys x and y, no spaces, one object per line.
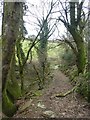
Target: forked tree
{"x":74,"y":21}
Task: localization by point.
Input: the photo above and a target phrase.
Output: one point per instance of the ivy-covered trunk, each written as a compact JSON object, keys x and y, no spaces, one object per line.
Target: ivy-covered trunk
{"x":42,"y":51}
{"x":42,"y":56}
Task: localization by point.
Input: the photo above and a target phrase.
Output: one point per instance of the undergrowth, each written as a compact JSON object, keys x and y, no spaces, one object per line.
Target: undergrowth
{"x":71,"y":71}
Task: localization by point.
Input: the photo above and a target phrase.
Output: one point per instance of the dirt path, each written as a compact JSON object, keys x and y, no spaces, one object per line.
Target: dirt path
{"x":73,"y":105}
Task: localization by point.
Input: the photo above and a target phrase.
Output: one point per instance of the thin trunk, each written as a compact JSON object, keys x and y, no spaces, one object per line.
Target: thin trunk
{"x":72,"y":13}
{"x":21,"y":58}
{"x":42,"y":52}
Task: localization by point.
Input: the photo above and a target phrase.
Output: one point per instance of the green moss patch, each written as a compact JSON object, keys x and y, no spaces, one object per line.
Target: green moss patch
{"x":8,"y":108}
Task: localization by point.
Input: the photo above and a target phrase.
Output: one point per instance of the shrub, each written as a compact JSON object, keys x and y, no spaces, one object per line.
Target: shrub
{"x":83,"y":85}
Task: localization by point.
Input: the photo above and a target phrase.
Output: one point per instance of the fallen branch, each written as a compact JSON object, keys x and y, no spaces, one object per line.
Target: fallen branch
{"x":65,"y":94}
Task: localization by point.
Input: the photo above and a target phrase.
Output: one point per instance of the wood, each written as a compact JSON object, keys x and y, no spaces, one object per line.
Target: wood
{"x":67,"y":93}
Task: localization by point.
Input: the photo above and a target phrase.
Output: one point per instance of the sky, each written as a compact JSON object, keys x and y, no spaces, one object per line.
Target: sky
{"x":0,"y":17}
{"x":36,"y":8}
{"x":32,"y":28}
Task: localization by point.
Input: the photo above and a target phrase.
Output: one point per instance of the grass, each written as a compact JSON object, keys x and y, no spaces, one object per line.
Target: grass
{"x":53,"y":50}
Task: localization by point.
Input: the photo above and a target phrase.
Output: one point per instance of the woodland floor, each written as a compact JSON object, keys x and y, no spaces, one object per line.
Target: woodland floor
{"x":48,"y":106}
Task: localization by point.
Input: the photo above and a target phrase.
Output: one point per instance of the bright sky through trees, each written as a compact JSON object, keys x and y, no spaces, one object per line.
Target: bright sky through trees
{"x":38,"y":9}
{"x":35,"y":7}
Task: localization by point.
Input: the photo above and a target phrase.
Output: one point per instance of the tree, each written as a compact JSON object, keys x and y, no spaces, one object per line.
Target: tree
{"x":45,"y":31}
{"x":89,"y":51}
{"x":89,"y":36}
{"x":75,"y":26}
{"x":19,"y":50}
{"x":42,"y":50}
{"x":10,"y":29}
{"x":11,"y":18}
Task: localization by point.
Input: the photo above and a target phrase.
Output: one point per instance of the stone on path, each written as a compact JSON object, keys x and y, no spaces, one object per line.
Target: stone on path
{"x":41,"y":105}
{"x":49,"y":113}
{"x":25,"y":106}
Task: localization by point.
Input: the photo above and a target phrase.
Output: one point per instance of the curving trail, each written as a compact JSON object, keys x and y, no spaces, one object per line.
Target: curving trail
{"x":71,"y":106}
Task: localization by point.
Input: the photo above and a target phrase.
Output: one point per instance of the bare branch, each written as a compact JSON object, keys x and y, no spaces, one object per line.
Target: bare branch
{"x":35,"y":40}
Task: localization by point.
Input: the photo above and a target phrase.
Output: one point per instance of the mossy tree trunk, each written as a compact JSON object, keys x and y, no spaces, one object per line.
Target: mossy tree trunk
{"x":42,"y":56}
{"x":89,"y":52}
{"x":81,"y":57}
{"x":81,"y":50}
{"x":21,"y":59}
{"x":10,"y":29}
{"x":13,"y":87}
{"x":75,"y":27}
{"x":76,"y":31}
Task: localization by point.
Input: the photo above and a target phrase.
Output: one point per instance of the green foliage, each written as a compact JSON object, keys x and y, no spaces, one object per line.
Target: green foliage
{"x":72,"y":72}
{"x":68,"y":57}
{"x":81,"y":79}
{"x":25,"y":46}
{"x":67,"y":64}
{"x":55,"y":50}
{"x":83,"y":87}
{"x":38,"y":93}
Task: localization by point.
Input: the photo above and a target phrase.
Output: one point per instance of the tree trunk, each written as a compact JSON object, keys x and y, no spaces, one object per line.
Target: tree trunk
{"x":10,"y":29}
{"x":72,"y":13}
{"x":42,"y":56}
{"x":9,"y":34}
{"x":13,"y":87}
{"x":89,"y":53}
{"x":89,"y":38}
{"x":42,"y":52}
{"x":77,"y":36}
{"x":81,"y":57}
{"x":21,"y":59}
{"x":81,"y":50}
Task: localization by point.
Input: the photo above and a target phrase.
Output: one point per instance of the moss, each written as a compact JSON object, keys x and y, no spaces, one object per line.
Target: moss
{"x":14,"y":89}
{"x":8,"y":108}
{"x":38,"y":93}
{"x":81,"y":57}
